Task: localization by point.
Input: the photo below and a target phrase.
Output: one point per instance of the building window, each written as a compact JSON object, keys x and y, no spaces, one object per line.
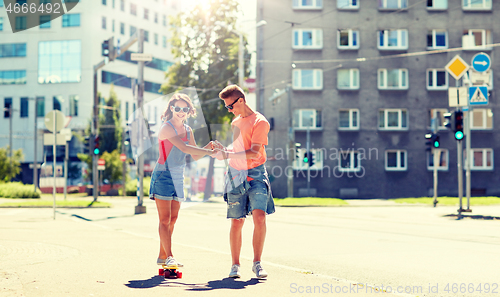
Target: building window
{"x":156,"y":38}
{"x":481,"y":119}
{"x":393,"y":79}
{"x":307,"y":79}
{"x":113,"y":3}
{"x":347,"y":4}
{"x":59,"y":61}
{"x":476,"y":39}
{"x":437,"y":39}
{"x":126,"y":111}
{"x":348,"y":79}
{"x":7,"y":103}
{"x":476,"y":4}
{"x":164,"y":39}
{"x":164,"y":21}
{"x":132,"y":30}
{"x":71,"y":20}
{"x":437,"y":79}
{"x":103,"y":2}
{"x":307,"y":39}
{"x":1,"y":3}
{"x":317,"y":156}
{"x":442,"y":160}
{"x":103,"y":23}
{"x":13,"y":77}
{"x":122,"y":28}
{"x":12,"y":50}
{"x":146,"y":14}
{"x":146,"y":36}
{"x":395,"y":160}
{"x":24,"y":110}
{"x":73,"y":105}
{"x":439,"y":113}
{"x":393,"y":119}
{"x":156,"y":18}
{"x":122,"y":5}
{"x":56,"y":103}
{"x":347,"y":39}
{"x":307,"y":118}
{"x":46,"y":1}
{"x":349,"y":119}
{"x":392,"y":4}
{"x":482,"y":159}
{"x":349,"y":161}
{"x":437,"y":4}
{"x":307,"y":4}
{"x":40,"y":107}
{"x":112,"y":25}
{"x":21,"y":23}
{"x":393,"y":39}
{"x":45,"y":22}
{"x":1,"y":22}
{"x":133,"y":9}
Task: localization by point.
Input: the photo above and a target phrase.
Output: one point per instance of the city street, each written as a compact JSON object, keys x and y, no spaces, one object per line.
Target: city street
{"x":352,"y":251}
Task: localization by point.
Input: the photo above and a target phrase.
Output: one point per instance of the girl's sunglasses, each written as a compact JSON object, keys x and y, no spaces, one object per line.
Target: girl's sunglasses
{"x":178,"y":109}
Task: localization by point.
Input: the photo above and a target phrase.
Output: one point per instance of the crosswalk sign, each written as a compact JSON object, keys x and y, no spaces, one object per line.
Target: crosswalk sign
{"x":478,"y":95}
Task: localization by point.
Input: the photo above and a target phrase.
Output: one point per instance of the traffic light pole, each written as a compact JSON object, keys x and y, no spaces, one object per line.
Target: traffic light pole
{"x":308,"y":165}
{"x":140,"y":92}
{"x":291,"y":143}
{"x":435,"y":156}
{"x":469,"y":156}
{"x":460,"y":173}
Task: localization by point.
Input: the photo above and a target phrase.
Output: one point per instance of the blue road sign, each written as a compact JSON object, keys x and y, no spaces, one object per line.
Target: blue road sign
{"x":478,"y":95}
{"x":481,"y":62}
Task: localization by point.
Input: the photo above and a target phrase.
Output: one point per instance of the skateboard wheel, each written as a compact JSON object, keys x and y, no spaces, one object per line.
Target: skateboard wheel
{"x":179,"y":274}
{"x":161,"y":272}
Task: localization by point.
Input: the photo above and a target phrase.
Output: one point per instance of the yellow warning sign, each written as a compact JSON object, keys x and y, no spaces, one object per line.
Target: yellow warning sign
{"x":457,"y":67}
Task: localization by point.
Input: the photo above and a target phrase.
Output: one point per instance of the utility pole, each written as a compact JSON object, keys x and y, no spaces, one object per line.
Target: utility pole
{"x":308,"y":166}
{"x":124,"y":163}
{"x":291,"y":142}
{"x":436,"y":153}
{"x":140,"y":208}
{"x":35,"y":136}
{"x":10,"y":137}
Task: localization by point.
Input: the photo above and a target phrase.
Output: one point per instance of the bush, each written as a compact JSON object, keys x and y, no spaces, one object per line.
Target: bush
{"x":18,"y":190}
{"x":131,"y":187}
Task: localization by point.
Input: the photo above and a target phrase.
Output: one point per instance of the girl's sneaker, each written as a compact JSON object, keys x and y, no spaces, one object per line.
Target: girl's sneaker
{"x":161,"y":261}
{"x":235,"y":271}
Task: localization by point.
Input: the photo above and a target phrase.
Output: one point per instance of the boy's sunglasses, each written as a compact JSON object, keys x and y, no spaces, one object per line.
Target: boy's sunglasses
{"x":230,"y":106}
{"x":178,"y":109}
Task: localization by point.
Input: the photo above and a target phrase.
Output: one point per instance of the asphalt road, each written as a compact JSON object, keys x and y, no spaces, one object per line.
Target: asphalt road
{"x":311,"y":251}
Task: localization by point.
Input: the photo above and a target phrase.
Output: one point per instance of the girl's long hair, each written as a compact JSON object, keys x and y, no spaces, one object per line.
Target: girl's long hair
{"x":168,"y":114}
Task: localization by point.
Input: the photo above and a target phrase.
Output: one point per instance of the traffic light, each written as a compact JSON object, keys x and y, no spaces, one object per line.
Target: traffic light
{"x":311,"y":159}
{"x":105,"y":48}
{"x":297,"y":151}
{"x":96,"y":145}
{"x":459,"y":125}
{"x":447,"y":117}
{"x":432,"y":141}
{"x":86,"y":145}
{"x":306,"y":157}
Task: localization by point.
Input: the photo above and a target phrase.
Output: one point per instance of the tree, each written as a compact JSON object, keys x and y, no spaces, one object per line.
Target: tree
{"x":207,"y":58}
{"x":113,"y":169}
{"x":8,"y":169}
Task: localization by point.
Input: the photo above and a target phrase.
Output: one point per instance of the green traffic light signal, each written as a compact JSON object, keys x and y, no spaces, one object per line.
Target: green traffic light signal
{"x":459,"y":135}
{"x":96,"y":151}
{"x":436,"y":144}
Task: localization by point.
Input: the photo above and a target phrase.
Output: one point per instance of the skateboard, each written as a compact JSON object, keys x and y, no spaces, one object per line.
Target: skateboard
{"x":170,"y":272}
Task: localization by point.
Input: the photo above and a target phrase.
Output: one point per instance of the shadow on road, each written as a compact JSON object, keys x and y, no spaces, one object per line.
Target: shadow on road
{"x":474,"y":217}
{"x":226,"y":283}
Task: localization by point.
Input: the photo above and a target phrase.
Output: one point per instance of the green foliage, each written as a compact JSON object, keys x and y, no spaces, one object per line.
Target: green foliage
{"x":7,"y":170}
{"x":110,"y":138}
{"x":131,"y":187}
{"x":18,"y":190}
{"x":113,"y":170}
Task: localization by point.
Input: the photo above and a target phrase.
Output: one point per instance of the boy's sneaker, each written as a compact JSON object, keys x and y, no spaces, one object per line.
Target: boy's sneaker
{"x":170,"y":262}
{"x":258,"y":270}
{"x":235,"y":271}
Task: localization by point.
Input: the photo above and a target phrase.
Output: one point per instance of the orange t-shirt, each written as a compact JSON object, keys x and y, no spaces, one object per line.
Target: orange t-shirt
{"x":251,"y":129}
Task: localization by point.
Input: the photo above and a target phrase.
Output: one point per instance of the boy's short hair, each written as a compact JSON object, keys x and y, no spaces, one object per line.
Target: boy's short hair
{"x":232,"y":91}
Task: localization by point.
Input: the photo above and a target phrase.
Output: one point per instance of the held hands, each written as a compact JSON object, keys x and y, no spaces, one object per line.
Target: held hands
{"x":214,"y":147}
{"x":219,"y":149}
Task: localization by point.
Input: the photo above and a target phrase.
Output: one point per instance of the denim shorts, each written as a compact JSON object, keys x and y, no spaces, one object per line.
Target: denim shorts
{"x":167,"y":184}
{"x":239,"y":206}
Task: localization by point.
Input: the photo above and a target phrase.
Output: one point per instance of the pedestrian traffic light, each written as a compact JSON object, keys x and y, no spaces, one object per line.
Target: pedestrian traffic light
{"x":432,"y":141}
{"x":447,"y":117}
{"x":86,"y":145}
{"x":459,"y":125}
{"x":311,"y":159}
{"x":306,"y":157}
{"x":96,"y":145}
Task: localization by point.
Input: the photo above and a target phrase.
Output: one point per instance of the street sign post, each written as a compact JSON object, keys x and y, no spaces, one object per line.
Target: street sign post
{"x":478,"y":95}
{"x":123,"y":157}
{"x":101,"y":164}
{"x":481,"y":62}
{"x":141,"y":57}
{"x":457,"y":67}
{"x":457,"y":97}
